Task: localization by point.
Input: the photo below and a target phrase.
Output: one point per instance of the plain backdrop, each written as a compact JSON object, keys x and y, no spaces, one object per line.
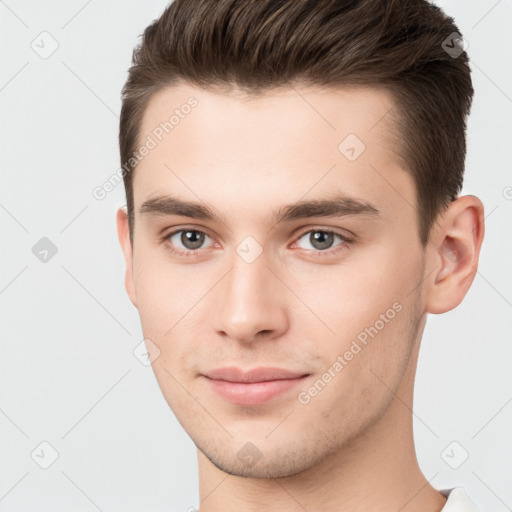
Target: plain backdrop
{"x":68,"y":376}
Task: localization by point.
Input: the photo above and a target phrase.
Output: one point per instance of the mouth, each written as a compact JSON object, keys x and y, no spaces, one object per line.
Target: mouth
{"x":253,"y":387}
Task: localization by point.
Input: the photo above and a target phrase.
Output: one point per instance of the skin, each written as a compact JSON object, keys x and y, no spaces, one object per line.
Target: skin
{"x":351,"y":447}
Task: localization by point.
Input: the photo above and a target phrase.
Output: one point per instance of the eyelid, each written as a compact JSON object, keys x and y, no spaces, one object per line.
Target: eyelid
{"x":185,"y":227}
{"x":326,"y":229}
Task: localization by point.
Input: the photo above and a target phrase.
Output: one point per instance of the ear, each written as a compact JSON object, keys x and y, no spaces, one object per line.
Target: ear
{"x":453,"y":252}
{"x":123,"y":233}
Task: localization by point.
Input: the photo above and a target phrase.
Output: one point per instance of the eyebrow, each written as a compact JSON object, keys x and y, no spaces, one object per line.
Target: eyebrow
{"x":338,"y":206}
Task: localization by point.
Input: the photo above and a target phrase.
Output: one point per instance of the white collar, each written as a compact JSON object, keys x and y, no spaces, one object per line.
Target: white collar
{"x":458,"y":500}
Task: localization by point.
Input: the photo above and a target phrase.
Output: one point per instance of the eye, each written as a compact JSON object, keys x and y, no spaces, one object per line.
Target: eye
{"x":322,"y":241}
{"x":187,"y":241}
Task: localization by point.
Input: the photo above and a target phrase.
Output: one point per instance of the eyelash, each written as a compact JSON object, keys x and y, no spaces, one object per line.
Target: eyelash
{"x":328,"y":252}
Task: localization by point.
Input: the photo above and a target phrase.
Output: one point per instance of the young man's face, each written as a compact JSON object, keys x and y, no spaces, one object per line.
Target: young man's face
{"x":345,"y":309}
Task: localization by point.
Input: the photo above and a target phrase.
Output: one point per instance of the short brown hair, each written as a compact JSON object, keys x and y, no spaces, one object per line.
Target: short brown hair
{"x":257,"y":45}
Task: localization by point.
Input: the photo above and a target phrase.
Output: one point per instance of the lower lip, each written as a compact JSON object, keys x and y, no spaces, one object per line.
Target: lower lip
{"x":252,"y":393}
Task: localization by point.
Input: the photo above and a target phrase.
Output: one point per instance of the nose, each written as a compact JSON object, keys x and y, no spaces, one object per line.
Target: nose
{"x":252,"y":303}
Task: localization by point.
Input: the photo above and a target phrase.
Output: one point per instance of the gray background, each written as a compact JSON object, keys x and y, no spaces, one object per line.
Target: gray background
{"x":68,"y":330}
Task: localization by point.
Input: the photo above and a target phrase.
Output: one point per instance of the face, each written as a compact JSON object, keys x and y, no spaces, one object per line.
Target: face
{"x":328,"y":291}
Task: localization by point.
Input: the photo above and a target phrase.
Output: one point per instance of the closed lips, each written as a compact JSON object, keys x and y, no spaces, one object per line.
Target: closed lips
{"x":261,"y":374}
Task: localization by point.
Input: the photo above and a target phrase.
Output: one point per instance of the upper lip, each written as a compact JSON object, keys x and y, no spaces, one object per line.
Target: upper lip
{"x":261,"y":374}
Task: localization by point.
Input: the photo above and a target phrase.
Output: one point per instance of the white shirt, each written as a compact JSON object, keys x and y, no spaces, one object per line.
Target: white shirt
{"x":458,"y":501}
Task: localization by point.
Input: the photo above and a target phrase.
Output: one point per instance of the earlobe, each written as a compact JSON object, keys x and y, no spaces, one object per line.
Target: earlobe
{"x":123,"y":233}
{"x":454,"y":253}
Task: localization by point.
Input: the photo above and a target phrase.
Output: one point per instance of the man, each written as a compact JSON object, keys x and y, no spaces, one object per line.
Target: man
{"x":292,"y":171}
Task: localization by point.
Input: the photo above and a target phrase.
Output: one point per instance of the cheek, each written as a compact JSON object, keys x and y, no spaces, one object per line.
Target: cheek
{"x":363,"y":368}
{"x":370,"y":307}
{"x":352,"y":296}
{"x":168,"y":299}
{"x":164,"y":294}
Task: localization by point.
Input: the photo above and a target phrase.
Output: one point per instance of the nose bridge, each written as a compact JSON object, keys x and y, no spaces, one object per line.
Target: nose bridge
{"x":252,"y":297}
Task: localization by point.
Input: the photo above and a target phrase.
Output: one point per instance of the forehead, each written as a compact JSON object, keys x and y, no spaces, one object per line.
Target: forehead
{"x":238,"y":151}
